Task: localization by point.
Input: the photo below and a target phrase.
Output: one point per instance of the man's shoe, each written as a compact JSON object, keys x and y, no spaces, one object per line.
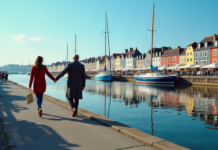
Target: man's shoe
{"x":74,"y":113}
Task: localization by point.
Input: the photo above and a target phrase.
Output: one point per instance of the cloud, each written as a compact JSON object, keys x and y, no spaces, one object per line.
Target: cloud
{"x":20,"y":37}
{"x":36,"y":38}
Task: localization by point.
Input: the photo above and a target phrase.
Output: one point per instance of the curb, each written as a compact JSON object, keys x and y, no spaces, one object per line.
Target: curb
{"x":148,"y":139}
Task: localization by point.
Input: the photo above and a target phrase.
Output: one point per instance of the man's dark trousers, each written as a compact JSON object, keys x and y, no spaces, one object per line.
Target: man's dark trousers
{"x":73,"y":103}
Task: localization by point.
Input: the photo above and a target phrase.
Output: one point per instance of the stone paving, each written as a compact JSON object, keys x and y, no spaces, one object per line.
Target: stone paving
{"x":56,"y":129}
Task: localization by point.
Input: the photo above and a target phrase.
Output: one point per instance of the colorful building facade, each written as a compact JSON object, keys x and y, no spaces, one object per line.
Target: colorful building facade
{"x":214,"y":50}
{"x":171,"y":57}
{"x":189,"y":60}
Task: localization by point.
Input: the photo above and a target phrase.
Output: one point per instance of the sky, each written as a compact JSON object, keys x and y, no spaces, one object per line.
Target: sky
{"x":43,"y":28}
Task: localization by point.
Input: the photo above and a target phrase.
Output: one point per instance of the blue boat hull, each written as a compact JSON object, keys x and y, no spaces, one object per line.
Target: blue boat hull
{"x":155,"y":80}
{"x":104,"y":78}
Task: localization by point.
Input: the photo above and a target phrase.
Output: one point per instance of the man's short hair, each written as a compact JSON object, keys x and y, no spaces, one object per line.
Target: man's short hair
{"x":76,"y":57}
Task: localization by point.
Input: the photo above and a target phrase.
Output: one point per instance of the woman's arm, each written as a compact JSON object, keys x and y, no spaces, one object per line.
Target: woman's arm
{"x":62,"y":73}
{"x":48,"y":74}
{"x":31,"y":77}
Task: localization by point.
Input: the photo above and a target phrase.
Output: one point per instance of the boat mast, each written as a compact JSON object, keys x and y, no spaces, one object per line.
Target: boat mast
{"x":105,"y":36}
{"x":22,"y":66}
{"x":152,"y":35}
{"x":75,"y":44}
{"x":67,"y":53}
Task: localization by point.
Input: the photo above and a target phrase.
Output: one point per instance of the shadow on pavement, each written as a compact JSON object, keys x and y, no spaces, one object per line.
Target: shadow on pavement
{"x":26,"y":135}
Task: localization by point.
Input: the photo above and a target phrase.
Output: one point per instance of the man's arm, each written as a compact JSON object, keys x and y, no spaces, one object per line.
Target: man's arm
{"x":83,"y":78}
{"x":62,"y":73}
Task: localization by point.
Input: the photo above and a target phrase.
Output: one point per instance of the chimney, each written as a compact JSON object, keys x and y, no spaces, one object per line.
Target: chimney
{"x":136,"y":48}
{"x":126,"y":50}
{"x":178,"y":46}
{"x":130,"y":49}
{"x":169,"y":48}
{"x":162,"y":48}
{"x":214,"y":37}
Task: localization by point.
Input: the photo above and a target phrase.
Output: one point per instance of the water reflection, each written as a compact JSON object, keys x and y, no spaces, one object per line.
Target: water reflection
{"x":198,"y":101}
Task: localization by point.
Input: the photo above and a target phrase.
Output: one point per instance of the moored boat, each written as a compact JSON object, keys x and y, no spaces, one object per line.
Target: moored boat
{"x":155,"y":78}
{"x":105,"y":76}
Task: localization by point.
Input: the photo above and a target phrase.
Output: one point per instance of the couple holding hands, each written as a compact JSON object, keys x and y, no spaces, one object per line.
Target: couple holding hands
{"x":75,"y":82}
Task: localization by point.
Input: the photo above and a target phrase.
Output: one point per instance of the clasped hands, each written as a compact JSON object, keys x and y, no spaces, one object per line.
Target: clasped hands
{"x":55,"y":80}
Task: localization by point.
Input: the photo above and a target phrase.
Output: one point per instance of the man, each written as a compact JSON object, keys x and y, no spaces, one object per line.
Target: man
{"x":75,"y":83}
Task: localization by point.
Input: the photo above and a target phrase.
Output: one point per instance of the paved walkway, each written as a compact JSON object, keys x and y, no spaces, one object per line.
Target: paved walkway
{"x":56,"y":130}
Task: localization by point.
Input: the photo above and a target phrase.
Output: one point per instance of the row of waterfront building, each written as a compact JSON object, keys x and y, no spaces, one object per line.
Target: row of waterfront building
{"x":202,"y":53}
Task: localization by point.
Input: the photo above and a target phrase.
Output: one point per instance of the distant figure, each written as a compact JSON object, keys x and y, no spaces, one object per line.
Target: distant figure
{"x":3,"y":75}
{"x":38,"y":72}
{"x":6,"y":76}
{"x":210,"y":72}
{"x":75,"y":83}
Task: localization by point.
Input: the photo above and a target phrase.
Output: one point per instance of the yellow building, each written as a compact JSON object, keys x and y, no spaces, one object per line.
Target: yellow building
{"x":190,"y":54}
{"x":189,"y":103}
{"x":117,"y":62}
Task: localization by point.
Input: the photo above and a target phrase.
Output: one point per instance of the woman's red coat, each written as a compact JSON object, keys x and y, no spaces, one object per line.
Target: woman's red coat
{"x":39,"y":85}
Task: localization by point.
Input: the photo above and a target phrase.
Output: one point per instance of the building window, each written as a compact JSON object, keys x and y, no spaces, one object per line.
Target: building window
{"x":190,"y":59}
{"x":214,"y":60}
{"x":199,"y":45}
{"x":204,"y":62}
{"x":205,"y":53}
{"x":214,"y":52}
{"x":175,"y":58}
{"x":189,"y":48}
{"x":201,"y":54}
{"x":172,"y":58}
{"x":169,"y":58}
{"x":215,"y":43}
{"x":187,"y":54}
{"x":196,"y":63}
{"x":181,"y":59}
{"x":190,"y":53}
{"x":196,"y":54}
{"x":205,"y":44}
{"x":187,"y":60}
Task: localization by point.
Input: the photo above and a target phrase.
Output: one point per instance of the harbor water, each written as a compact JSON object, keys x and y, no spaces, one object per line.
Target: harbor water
{"x":184,"y":115}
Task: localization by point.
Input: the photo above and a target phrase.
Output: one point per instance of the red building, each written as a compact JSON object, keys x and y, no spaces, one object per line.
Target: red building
{"x":171,"y":57}
{"x":213,"y":50}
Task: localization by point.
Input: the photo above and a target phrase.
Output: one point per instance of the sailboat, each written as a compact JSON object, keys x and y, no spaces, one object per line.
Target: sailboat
{"x":28,"y":73}
{"x":21,"y":73}
{"x":154,"y":78}
{"x":105,"y":76}
{"x":66,"y":75}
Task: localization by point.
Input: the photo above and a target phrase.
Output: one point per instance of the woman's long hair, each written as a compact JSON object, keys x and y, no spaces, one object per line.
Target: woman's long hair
{"x":38,"y":63}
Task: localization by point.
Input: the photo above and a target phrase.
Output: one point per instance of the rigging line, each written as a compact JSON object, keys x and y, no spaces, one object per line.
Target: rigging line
{"x":146,"y":35}
{"x":108,"y":45}
{"x":157,"y":37}
{"x":160,"y":27}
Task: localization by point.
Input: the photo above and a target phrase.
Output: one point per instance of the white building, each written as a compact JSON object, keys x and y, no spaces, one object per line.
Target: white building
{"x":131,"y":57}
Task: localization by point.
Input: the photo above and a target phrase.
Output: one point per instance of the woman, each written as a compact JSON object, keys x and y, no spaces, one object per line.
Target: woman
{"x":38,"y":72}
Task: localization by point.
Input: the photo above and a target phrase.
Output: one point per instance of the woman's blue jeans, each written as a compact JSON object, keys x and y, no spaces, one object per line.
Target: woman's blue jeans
{"x":39,"y":98}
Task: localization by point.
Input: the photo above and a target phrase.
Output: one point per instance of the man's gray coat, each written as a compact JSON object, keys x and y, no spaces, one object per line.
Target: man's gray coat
{"x":76,"y":79}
